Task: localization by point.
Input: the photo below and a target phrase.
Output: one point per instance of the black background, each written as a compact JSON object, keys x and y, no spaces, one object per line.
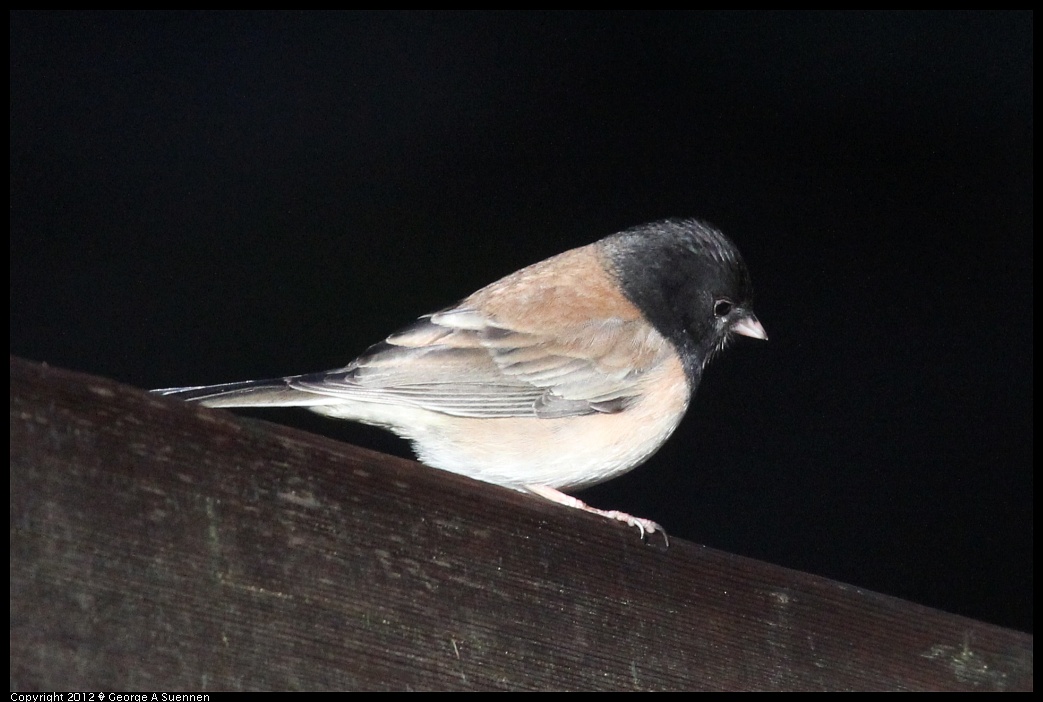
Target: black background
{"x":199,"y":198}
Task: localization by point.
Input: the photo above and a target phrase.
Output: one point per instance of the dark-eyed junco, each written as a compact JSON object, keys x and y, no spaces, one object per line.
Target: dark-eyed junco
{"x":567,"y":373}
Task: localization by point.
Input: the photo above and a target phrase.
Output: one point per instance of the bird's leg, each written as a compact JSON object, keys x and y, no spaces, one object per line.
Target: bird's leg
{"x":646,"y":526}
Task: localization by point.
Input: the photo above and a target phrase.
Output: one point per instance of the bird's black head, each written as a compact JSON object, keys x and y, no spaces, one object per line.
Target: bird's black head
{"x":690,"y":282}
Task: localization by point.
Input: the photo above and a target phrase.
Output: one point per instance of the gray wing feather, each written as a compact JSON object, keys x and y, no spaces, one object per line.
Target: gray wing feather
{"x":464,"y":364}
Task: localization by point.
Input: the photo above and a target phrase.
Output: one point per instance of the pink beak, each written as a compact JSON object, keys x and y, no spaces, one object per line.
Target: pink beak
{"x":749,"y":326}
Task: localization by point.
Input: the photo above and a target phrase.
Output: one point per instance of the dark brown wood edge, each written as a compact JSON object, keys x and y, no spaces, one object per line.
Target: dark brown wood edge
{"x":163,"y":546}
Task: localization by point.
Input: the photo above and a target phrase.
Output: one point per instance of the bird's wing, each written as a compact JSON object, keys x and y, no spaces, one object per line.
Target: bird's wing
{"x":465,"y":363}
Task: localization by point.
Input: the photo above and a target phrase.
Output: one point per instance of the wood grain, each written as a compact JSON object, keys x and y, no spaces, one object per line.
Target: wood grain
{"x":163,"y":546}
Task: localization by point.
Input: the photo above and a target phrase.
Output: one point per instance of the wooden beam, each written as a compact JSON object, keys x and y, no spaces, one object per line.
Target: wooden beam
{"x":162,"y":546}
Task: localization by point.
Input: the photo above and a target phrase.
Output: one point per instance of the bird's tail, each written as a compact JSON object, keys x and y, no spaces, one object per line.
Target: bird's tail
{"x":276,"y":392}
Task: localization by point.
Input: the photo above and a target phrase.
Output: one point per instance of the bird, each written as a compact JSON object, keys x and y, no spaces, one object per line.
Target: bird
{"x":562,"y":375}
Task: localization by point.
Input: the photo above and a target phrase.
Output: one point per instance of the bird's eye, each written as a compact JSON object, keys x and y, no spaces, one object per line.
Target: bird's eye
{"x":722,"y":307}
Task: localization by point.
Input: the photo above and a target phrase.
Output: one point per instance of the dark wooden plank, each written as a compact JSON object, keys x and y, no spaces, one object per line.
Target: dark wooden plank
{"x":156,"y":545}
